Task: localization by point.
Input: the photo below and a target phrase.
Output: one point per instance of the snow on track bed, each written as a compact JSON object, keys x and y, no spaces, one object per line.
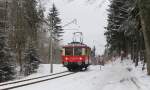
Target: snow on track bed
{"x":18,"y":81}
{"x":13,"y":85}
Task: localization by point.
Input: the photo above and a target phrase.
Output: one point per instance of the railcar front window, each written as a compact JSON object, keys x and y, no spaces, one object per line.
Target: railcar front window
{"x":77,"y":51}
{"x":68,"y":51}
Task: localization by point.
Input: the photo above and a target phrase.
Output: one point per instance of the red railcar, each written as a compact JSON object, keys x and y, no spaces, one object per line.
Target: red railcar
{"x":76,"y":55}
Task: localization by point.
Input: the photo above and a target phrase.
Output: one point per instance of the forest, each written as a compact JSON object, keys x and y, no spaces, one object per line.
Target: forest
{"x":25,"y":34}
{"x":128,"y":31}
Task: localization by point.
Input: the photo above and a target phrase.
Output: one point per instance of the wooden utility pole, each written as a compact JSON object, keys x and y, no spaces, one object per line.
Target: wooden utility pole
{"x":51,"y":51}
{"x":51,"y":46}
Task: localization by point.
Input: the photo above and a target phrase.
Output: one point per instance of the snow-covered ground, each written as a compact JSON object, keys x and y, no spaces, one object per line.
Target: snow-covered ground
{"x":116,"y":76}
{"x":44,"y":69}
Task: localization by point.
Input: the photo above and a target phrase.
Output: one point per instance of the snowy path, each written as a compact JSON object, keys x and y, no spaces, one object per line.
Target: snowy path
{"x":115,"y":76}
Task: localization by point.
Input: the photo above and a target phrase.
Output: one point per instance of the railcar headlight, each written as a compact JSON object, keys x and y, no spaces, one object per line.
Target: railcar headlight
{"x":80,"y":58}
{"x":66,"y":58}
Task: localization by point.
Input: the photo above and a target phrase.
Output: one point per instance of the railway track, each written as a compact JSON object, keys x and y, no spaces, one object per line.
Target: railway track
{"x":21,"y":83}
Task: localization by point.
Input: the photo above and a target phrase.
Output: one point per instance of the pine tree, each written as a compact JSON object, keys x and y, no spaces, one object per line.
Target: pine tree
{"x":7,"y":62}
{"x":56,"y":30}
{"x":54,"y":22}
{"x":115,"y":36}
{"x":32,"y":61}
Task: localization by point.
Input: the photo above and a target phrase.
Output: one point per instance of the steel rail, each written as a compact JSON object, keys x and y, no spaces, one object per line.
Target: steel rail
{"x":26,"y":84}
{"x":31,"y":79}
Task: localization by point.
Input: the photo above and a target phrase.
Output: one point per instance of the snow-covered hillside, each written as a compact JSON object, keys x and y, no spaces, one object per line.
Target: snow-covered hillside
{"x":117,"y":76}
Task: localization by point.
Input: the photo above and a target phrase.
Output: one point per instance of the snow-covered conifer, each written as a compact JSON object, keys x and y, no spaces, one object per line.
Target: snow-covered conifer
{"x":31,"y":60}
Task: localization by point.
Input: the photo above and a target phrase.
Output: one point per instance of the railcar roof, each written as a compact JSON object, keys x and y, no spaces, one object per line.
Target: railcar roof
{"x":76,"y":44}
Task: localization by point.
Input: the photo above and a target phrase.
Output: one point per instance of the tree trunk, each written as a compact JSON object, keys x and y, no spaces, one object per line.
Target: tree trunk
{"x":19,"y":59}
{"x":144,"y":6}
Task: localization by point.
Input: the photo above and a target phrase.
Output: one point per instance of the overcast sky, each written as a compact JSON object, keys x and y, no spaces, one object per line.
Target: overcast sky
{"x":91,"y":19}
